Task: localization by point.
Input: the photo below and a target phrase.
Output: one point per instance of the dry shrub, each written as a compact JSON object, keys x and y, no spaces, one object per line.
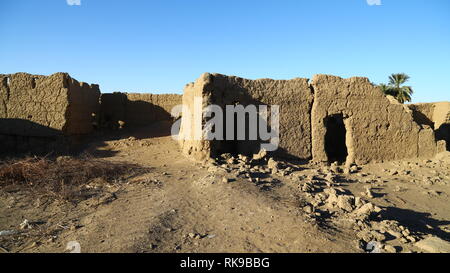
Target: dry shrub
{"x":65,"y":175}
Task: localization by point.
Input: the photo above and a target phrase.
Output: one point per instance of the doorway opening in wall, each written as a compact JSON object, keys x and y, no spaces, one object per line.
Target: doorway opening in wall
{"x":230,"y":144}
{"x":335,"y":146}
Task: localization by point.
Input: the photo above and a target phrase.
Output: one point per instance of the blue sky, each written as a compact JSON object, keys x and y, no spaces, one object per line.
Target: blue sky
{"x":159,"y":46}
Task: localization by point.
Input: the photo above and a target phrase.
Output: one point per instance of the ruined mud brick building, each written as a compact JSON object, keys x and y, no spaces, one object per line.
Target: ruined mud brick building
{"x":35,"y":110}
{"x":325,"y":119}
{"x":44,"y":113}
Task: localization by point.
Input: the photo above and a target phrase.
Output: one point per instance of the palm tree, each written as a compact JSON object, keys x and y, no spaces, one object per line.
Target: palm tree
{"x":402,"y":93}
{"x":385,"y":89}
{"x":395,"y":88}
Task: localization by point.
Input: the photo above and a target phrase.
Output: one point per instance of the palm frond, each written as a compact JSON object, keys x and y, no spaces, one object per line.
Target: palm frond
{"x":398,"y":79}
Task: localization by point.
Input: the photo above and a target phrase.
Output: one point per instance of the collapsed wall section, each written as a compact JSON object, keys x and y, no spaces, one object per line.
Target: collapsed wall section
{"x":437,"y":116}
{"x":294,"y":98}
{"x":378,"y":128}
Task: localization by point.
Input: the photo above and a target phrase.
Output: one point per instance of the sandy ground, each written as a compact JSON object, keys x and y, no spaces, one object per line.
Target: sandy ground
{"x":238,"y":205}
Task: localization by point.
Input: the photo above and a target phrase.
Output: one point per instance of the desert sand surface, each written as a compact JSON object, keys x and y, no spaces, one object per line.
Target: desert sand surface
{"x":232,"y":204}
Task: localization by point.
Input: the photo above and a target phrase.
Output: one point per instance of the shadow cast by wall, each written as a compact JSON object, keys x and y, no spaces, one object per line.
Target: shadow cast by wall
{"x":119,"y":118}
{"x":417,"y":221}
{"x":21,"y":138}
{"x":240,"y":96}
{"x":421,"y":119}
{"x":443,"y":133}
{"x":118,"y":112}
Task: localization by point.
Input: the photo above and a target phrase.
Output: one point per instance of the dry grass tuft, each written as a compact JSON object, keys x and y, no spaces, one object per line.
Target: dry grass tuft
{"x":64,"y":176}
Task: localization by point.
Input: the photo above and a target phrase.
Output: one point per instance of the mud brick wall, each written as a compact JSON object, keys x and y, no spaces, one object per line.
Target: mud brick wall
{"x":42,"y":106}
{"x":378,"y":128}
{"x":136,"y":109}
{"x":142,"y":109}
{"x":436,"y":115}
{"x":294,"y":98}
{"x":373,"y":127}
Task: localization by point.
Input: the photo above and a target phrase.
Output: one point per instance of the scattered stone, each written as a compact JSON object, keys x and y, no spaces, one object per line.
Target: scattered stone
{"x":346,"y":171}
{"x":260,"y":155}
{"x":25,"y":224}
{"x":406,"y":233}
{"x":345,"y":202}
{"x":226,"y":180}
{"x":273,"y":165}
{"x":395,"y":233}
{"x":307,"y":187}
{"x":404,"y":240}
{"x":230,"y":161}
{"x":368,"y":192}
{"x":353,"y":169}
{"x":243,"y":158}
{"x":378,"y":236}
{"x":335,"y":167}
{"x":121,"y":124}
{"x":330,"y":178}
{"x":359,"y":202}
{"x":308,"y":209}
{"x":226,"y":156}
{"x":367,"y":209}
{"x":332,"y":199}
{"x":390,"y":249}
{"x":365,"y":235}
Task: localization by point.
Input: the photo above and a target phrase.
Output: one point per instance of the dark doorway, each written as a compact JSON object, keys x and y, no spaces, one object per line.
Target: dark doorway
{"x":335,"y":147}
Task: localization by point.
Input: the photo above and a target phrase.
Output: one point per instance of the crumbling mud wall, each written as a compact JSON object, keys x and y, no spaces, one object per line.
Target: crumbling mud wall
{"x":329,"y":119}
{"x":294,"y":98}
{"x":34,"y":105}
{"x":191,"y":145}
{"x":133,"y":109}
{"x":36,"y":109}
{"x":377,"y":128}
{"x":436,"y":115}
